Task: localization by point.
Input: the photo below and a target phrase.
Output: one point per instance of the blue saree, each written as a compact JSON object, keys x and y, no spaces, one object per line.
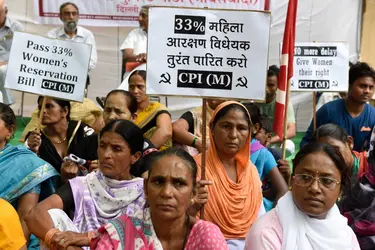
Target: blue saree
{"x":21,"y":172}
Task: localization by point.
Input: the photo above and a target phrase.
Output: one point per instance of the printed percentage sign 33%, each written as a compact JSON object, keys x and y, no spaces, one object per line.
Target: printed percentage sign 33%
{"x":199,"y":26}
{"x":193,"y":25}
{"x":68,"y":52}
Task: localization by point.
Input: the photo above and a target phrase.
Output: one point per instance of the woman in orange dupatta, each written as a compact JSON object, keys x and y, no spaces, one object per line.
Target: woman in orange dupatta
{"x":235,"y":193}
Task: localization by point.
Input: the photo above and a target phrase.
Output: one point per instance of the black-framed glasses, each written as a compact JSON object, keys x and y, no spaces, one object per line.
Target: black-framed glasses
{"x":305,"y":180}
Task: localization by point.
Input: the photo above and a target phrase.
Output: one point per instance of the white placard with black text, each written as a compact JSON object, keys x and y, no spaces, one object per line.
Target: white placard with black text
{"x":48,"y":67}
{"x":207,"y":53}
{"x":320,"y":67}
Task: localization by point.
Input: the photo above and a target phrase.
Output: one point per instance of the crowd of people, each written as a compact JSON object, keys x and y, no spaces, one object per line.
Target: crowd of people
{"x":127,"y":177}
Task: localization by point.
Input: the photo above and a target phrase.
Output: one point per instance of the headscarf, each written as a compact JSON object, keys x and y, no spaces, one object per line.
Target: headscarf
{"x":99,"y":199}
{"x":233,"y":207}
{"x":302,"y":232}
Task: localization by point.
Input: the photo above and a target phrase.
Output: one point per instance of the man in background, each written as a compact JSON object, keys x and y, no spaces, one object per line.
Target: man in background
{"x":134,"y":47}
{"x":351,"y":113}
{"x":8,"y":27}
{"x":268,"y":109}
{"x":70,"y":31}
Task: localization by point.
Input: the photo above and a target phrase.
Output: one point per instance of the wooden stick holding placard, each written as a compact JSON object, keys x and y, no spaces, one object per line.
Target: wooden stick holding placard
{"x":314,"y":107}
{"x":286,"y":119}
{"x":314,"y":110}
{"x":204,"y":144}
{"x":41,"y":114}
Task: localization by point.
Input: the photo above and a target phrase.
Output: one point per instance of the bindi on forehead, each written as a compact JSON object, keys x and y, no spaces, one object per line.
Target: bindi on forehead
{"x":111,"y":140}
{"x":112,"y":136}
{"x":319,"y":167}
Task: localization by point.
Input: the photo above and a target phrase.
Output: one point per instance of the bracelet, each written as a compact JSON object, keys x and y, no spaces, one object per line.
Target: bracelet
{"x":49,"y":235}
{"x":194,"y":141}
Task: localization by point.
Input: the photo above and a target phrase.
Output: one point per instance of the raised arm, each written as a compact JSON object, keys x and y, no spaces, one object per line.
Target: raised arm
{"x":183,"y":130}
{"x":163,"y":130}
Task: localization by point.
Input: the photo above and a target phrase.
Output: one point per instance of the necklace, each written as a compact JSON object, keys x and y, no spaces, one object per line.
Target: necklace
{"x":55,"y":142}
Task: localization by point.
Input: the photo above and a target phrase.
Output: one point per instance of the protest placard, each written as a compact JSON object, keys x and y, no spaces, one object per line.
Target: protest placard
{"x":125,"y":12}
{"x":207,"y":53}
{"x":320,"y":67}
{"x":48,"y":67}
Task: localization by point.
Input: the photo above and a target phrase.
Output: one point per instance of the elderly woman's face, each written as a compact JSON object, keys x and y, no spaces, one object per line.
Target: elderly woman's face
{"x":169,"y":188}
{"x":313,"y":197}
{"x":115,"y":156}
{"x":230,"y":132}
{"x":116,"y":108}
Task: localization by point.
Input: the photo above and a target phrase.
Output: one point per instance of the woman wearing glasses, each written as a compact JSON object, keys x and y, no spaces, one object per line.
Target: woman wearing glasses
{"x":307,"y":217}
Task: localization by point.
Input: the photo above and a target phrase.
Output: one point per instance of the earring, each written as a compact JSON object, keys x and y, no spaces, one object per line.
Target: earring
{"x":339,"y":199}
{"x":290,"y":188}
